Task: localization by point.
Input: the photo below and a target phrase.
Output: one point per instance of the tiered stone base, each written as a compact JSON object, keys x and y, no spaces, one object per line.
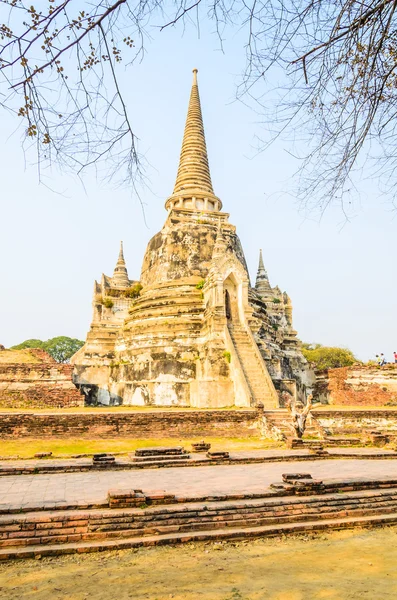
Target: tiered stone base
{"x":168,"y":519}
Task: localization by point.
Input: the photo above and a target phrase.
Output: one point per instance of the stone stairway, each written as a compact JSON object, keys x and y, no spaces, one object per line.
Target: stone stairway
{"x":258,"y":380}
{"x":63,"y":532}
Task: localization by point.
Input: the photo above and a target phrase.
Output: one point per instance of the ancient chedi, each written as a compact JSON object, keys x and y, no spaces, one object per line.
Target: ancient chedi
{"x":191,"y":331}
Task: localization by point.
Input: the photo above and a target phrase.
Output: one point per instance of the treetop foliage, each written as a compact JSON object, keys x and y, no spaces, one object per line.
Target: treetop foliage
{"x":61,"y":348}
{"x":328,"y":357}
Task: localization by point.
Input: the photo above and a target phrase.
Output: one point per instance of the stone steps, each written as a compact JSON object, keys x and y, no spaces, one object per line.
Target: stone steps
{"x":250,"y":365}
{"x":36,"y":551}
{"x":29,"y":531}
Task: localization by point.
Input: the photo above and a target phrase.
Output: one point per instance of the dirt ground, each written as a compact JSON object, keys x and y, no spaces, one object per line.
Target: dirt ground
{"x":340,"y":565}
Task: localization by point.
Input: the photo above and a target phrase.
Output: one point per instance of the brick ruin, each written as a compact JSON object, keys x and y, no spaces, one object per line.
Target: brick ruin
{"x":358,"y":385}
{"x":31,"y":378}
{"x":136,"y":424}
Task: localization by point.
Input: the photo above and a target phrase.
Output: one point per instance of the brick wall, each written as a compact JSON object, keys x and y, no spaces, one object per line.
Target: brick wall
{"x":150,"y":424}
{"x":41,"y":384}
{"x":358,"y":386}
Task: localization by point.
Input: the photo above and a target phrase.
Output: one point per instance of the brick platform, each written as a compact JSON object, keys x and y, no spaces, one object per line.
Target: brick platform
{"x":344,"y":504}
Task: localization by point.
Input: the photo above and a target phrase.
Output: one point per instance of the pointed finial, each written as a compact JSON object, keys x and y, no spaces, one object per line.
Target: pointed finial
{"x":193,"y":187}
{"x":262,"y":284}
{"x":261,"y":265}
{"x":120,"y":274}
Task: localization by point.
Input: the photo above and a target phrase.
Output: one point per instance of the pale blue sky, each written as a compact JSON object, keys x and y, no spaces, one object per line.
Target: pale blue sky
{"x":340,"y":277}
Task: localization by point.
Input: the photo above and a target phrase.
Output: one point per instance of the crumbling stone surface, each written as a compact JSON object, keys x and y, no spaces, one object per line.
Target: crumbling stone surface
{"x":41,"y":383}
{"x":356,"y":422}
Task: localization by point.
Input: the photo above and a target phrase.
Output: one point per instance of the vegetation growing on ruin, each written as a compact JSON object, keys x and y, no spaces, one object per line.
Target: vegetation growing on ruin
{"x":133,"y":291}
{"x":107,"y":302}
{"x":200,"y":284}
{"x":276,"y":301}
{"x":328,"y":357}
{"x":114,"y":293}
{"x":227,"y":356}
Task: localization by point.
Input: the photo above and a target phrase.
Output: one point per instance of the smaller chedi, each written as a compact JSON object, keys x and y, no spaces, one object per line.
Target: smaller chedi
{"x":191,"y":331}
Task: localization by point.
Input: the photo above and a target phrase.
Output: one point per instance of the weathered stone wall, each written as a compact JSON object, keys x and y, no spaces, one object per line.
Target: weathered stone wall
{"x":359,"y":385}
{"x":42,"y":383}
{"x":153,"y":424}
{"x":356,"y":421}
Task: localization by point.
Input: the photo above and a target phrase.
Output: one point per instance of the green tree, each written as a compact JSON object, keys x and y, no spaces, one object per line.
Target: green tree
{"x":61,"y":348}
{"x":32,"y":343}
{"x":328,"y":357}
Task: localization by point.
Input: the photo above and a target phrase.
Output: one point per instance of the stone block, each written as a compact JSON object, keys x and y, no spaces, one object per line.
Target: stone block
{"x":126,"y":499}
{"x":160,"y":451}
{"x":218,"y":455}
{"x":201,"y":447}
{"x":287,"y":477}
{"x":294,"y":443}
{"x":103,"y":459}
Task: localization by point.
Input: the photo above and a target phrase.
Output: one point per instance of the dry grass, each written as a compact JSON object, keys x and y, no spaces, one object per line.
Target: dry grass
{"x":18,"y":356}
{"x":347,"y":565}
{"x":26,"y":448}
{"x":113,"y":409}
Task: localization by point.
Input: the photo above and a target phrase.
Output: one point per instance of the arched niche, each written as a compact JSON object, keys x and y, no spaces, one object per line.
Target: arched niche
{"x":231,"y":296}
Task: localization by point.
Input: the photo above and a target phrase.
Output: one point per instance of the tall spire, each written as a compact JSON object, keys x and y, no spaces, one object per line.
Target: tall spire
{"x":262,"y":284}
{"x":193,"y":187}
{"x":120,"y":274}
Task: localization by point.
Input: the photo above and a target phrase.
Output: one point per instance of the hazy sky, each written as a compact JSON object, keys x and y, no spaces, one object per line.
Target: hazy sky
{"x":340,"y":276}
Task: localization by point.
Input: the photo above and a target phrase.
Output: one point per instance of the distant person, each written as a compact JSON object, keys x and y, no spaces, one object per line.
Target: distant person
{"x":378,"y":359}
{"x":395,"y":356}
{"x":382,"y":360}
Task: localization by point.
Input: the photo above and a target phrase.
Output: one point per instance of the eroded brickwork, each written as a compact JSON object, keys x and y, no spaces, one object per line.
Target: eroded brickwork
{"x":42,"y":383}
{"x":359,"y":385}
{"x":241,"y":423}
